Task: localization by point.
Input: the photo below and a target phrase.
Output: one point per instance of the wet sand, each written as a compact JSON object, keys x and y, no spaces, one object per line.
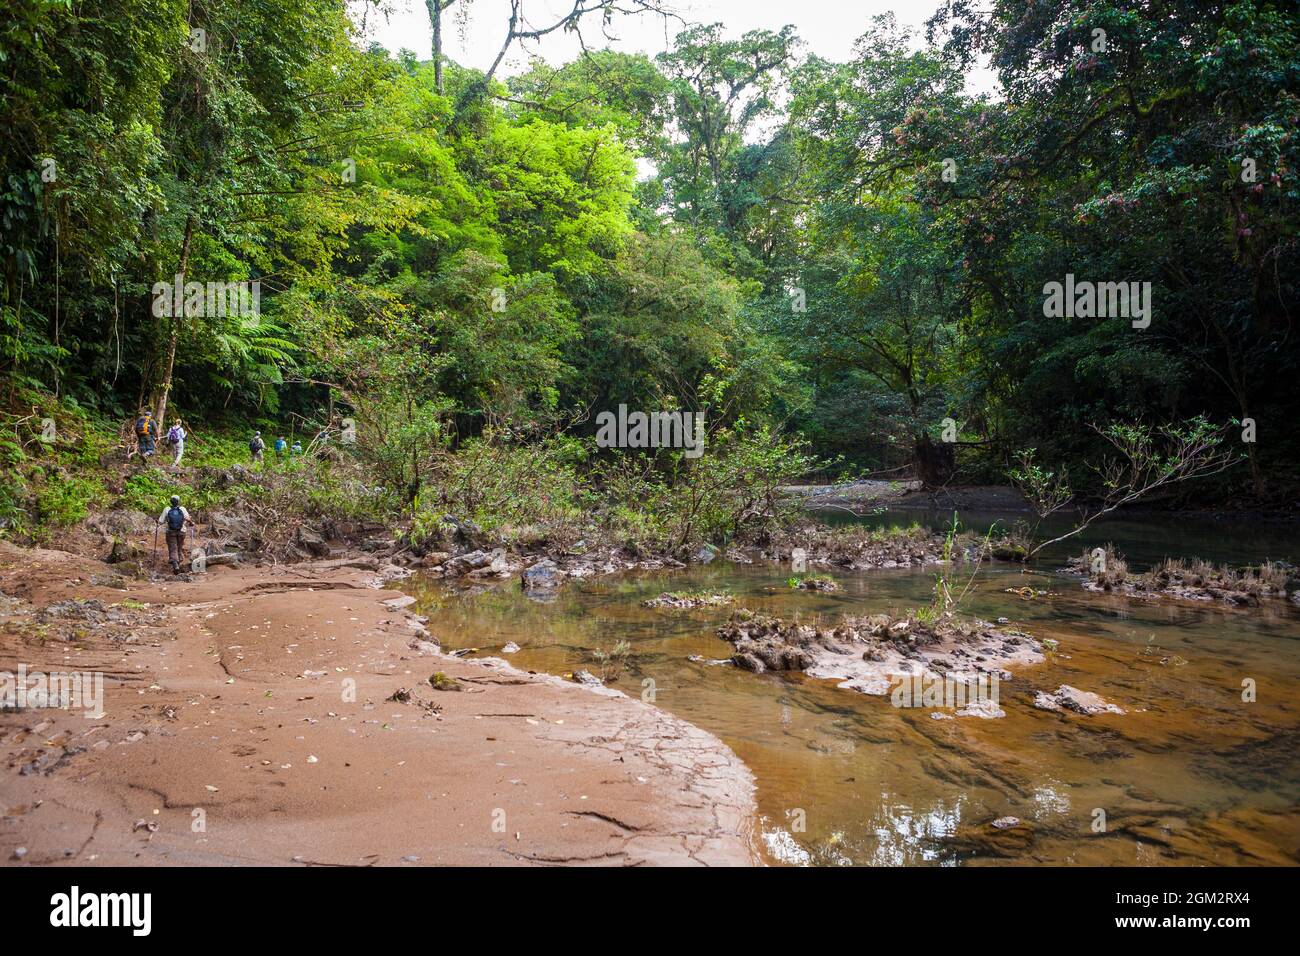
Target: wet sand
{"x":231,"y":737}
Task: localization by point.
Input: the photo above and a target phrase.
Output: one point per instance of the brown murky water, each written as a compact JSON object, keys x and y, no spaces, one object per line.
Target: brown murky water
{"x":1191,"y":774}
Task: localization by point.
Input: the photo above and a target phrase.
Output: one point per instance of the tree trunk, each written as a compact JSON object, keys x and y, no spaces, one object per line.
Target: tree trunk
{"x":1255,"y":473}
{"x":1257,"y":476}
{"x":435,"y":18}
{"x":934,"y":462}
{"x":165,"y":387}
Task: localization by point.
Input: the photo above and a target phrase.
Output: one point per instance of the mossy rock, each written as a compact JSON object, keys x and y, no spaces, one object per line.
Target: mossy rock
{"x":1010,"y":552}
{"x":440,"y":681}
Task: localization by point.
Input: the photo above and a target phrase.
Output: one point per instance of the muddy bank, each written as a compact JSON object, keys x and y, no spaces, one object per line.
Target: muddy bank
{"x":462,"y":552}
{"x":285,"y":715}
{"x":471,"y":559}
{"x":905,"y":494}
{"x":458,"y":549}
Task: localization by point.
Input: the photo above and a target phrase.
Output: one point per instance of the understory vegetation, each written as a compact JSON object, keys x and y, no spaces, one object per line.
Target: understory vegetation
{"x":538,"y":494}
{"x":840,"y":267}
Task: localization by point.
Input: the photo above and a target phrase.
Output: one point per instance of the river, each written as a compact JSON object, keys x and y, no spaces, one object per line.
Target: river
{"x":1193,"y":773}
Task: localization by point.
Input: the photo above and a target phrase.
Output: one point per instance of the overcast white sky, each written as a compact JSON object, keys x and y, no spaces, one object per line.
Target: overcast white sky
{"x":827,"y":27}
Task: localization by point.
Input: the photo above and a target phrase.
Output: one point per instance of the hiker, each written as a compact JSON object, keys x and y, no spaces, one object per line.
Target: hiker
{"x":146,"y":433}
{"x":176,"y":518}
{"x":280,"y":446}
{"x":297,"y":448}
{"x":176,"y":438}
{"x":256,"y":446}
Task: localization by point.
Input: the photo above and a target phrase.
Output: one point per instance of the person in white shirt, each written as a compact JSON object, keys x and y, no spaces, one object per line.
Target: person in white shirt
{"x":176,"y":435}
{"x":176,"y":519}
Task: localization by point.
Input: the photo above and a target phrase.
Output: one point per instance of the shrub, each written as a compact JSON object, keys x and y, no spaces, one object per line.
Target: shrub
{"x":1113,"y":571}
{"x":65,"y":500}
{"x":729,"y":491}
{"x":520,"y":492}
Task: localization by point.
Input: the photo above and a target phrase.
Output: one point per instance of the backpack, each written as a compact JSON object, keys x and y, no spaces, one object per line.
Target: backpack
{"x":174,"y":434}
{"x":142,"y":426}
{"x":255,"y":445}
{"x":175,"y":519}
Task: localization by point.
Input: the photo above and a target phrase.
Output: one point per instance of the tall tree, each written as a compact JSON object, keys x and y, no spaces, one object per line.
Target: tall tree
{"x":436,"y":9}
{"x":721,"y":90}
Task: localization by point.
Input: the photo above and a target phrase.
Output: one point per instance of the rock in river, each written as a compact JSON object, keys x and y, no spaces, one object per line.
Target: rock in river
{"x":543,"y":574}
{"x":1071,"y":698}
{"x":464,"y":563}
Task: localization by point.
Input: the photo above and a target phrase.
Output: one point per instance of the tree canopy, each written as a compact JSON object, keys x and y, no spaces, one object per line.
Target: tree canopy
{"x":851,"y":252}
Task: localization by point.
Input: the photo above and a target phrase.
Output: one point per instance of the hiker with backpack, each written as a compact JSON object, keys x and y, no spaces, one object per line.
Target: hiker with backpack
{"x":146,"y":433}
{"x":176,"y":519}
{"x":176,"y":438}
{"x":280,"y":446}
{"x":256,"y":446}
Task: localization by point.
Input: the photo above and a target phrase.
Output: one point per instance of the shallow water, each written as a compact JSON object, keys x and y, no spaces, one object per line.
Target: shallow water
{"x":1190,"y":774}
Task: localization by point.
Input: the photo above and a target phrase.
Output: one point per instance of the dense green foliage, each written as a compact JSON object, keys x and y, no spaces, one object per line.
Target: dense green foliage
{"x":843,"y":254}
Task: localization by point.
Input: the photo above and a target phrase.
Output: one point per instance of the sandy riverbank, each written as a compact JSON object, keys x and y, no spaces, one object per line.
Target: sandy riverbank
{"x":228,"y":704}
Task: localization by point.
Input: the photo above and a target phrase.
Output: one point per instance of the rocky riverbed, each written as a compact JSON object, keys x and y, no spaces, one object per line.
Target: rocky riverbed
{"x":873,"y":654}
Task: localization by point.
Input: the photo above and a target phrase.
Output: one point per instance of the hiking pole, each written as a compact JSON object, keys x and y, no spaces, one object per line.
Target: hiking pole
{"x":201,"y":553}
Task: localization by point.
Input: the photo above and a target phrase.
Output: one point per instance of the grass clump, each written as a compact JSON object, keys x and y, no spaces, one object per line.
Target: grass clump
{"x":813,"y":582}
{"x":689,"y":599}
{"x":1185,"y":577}
{"x":611,"y":660}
